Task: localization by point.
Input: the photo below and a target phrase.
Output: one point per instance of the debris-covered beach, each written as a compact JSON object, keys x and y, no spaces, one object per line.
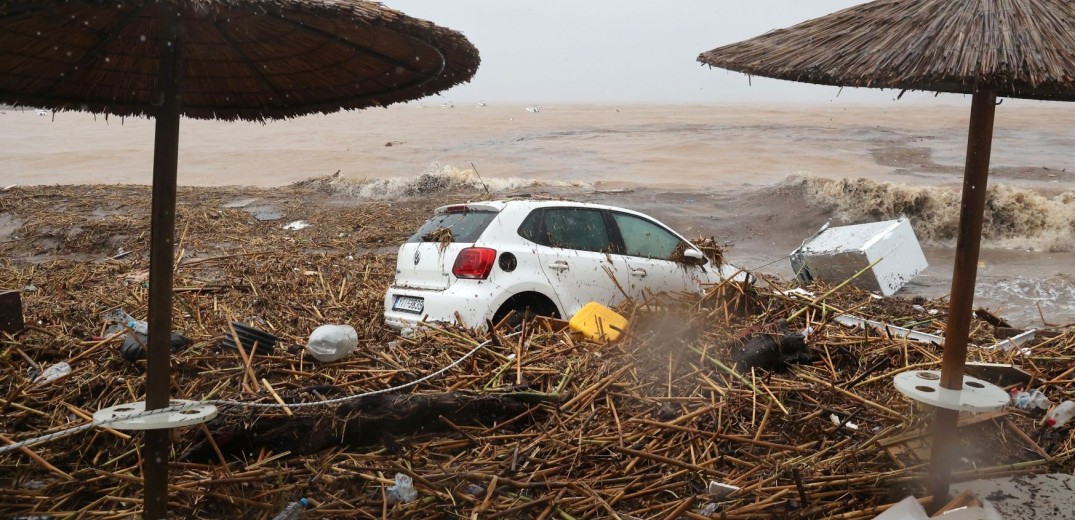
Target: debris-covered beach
{"x":542,"y":424}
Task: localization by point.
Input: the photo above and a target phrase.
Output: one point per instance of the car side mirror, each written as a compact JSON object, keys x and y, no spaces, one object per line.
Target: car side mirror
{"x":694,"y":257}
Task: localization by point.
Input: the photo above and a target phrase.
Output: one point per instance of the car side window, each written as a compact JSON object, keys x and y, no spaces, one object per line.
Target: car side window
{"x":644,"y":238}
{"x":531,"y":227}
{"x":568,"y":228}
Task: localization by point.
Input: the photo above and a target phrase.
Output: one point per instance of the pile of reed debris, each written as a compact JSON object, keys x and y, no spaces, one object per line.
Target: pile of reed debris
{"x":668,"y":423}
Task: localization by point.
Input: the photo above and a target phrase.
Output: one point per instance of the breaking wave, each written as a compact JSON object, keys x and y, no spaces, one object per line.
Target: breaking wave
{"x":436,"y":179}
{"x":1015,"y":218}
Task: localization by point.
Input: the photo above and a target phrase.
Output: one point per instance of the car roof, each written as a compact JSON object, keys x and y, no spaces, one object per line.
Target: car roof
{"x":500,"y":205}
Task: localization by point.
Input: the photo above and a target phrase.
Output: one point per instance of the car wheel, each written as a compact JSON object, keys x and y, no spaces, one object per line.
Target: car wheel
{"x":526,"y":307}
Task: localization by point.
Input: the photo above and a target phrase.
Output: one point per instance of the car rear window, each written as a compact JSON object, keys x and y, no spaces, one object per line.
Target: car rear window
{"x":455,"y":226}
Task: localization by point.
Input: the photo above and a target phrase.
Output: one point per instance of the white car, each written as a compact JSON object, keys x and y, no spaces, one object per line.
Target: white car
{"x":474,"y":263}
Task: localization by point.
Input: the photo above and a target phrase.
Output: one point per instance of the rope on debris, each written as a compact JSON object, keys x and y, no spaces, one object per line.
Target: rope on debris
{"x":230,"y":403}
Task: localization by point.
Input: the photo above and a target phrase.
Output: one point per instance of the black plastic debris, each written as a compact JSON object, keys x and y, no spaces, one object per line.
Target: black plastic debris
{"x":251,"y":338}
{"x":11,"y":319}
{"x":772,"y":352}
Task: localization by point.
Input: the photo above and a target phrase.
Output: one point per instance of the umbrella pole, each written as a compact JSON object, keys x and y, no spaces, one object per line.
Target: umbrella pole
{"x":156,"y":449}
{"x":945,"y":452}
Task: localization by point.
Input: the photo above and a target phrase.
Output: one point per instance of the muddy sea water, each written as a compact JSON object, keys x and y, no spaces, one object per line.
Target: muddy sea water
{"x":758,"y":177}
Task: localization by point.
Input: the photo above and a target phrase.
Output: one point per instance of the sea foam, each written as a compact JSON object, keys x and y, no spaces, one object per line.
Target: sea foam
{"x":1015,"y":218}
{"x":436,"y":179}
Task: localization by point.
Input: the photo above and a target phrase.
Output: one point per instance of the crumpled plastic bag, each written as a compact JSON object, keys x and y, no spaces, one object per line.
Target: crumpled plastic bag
{"x":332,"y":342}
{"x":402,"y":491}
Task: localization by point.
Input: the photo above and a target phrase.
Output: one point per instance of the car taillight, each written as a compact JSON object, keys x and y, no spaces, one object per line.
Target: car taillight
{"x":474,"y":263}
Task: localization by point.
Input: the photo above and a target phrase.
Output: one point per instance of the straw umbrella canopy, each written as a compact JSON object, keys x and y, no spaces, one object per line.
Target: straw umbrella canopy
{"x":213,"y":59}
{"x":1015,"y":48}
{"x":240,"y":59}
{"x":987,"y":48}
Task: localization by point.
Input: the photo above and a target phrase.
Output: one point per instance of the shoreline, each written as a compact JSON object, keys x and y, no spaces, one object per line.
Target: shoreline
{"x":716,"y":170}
{"x":759,"y":226}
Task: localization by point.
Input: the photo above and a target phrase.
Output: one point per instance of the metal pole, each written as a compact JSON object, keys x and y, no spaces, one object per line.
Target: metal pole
{"x":945,"y":450}
{"x":156,"y":450}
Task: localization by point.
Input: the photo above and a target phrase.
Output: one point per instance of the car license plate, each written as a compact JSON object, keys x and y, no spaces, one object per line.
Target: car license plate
{"x":408,"y":304}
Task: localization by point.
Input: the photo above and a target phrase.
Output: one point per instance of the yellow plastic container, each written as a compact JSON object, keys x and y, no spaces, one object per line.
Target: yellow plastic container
{"x":598,"y":323}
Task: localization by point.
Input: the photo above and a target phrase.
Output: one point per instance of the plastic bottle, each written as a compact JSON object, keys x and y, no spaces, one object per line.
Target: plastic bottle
{"x":332,"y":342}
{"x":1061,"y":414}
{"x":53,"y":372}
{"x":293,"y":511}
{"x":121,"y":316}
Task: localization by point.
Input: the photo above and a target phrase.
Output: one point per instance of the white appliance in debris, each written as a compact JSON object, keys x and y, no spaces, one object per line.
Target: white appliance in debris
{"x":835,"y":254}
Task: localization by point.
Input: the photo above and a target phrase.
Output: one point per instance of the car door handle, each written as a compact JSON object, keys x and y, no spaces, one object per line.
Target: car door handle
{"x":559,"y":265}
{"x":639,"y":272}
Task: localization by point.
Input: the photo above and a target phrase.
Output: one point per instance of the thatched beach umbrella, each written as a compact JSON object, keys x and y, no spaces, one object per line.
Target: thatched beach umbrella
{"x":987,"y":48}
{"x":213,"y":59}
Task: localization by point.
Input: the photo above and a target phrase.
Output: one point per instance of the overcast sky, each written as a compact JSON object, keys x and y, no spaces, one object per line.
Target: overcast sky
{"x":537,"y":51}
